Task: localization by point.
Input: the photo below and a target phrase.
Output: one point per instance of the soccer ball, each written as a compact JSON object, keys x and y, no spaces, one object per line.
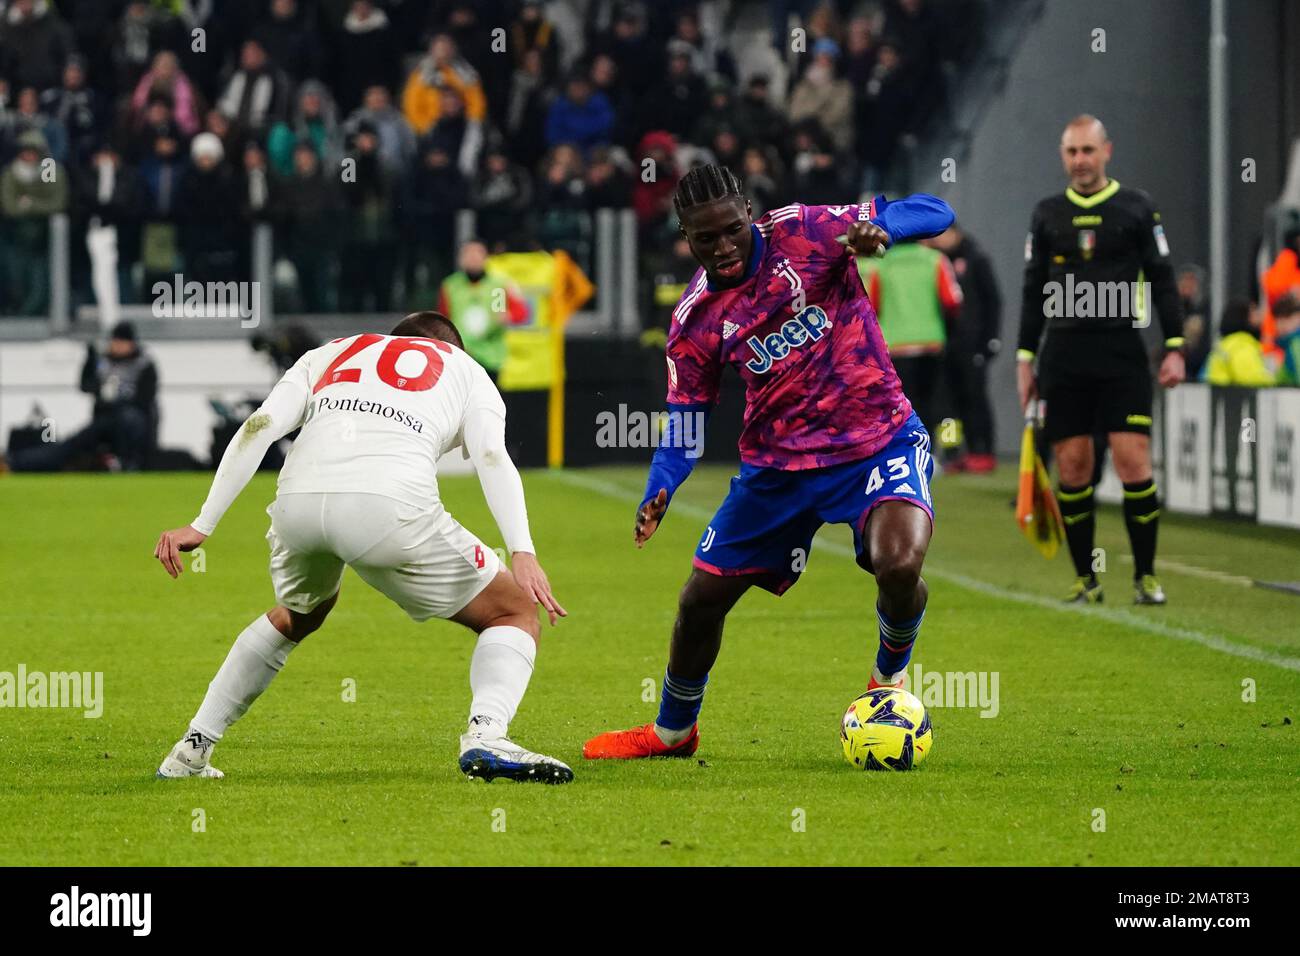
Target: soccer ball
{"x":886,"y":729}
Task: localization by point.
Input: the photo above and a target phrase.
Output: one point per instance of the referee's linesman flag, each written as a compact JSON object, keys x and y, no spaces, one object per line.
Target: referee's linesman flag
{"x":1037,"y":513}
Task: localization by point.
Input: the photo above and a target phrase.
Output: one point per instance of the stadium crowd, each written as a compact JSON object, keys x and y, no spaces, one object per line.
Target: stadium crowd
{"x":359,"y":128}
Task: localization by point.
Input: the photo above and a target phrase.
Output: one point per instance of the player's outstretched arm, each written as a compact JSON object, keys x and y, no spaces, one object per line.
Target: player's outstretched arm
{"x":485,"y":440}
{"x":280,"y":414}
{"x":679,"y":448}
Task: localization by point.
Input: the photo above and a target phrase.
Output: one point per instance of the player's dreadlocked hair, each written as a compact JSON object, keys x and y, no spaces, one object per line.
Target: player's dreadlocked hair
{"x":706,"y":184}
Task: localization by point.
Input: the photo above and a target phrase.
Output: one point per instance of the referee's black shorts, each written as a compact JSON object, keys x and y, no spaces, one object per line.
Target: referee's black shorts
{"x":1093,"y":383}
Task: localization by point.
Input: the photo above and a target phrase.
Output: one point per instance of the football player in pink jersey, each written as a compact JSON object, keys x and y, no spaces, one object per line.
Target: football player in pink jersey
{"x":828,"y":435}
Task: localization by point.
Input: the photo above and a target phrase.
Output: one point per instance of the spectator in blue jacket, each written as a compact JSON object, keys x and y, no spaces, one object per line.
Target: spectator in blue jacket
{"x":581,"y":116}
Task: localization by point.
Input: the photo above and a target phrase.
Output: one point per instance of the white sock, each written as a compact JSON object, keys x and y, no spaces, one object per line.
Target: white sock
{"x":254,"y":659}
{"x":672,"y":738}
{"x":892,"y":679}
{"x":498,"y":676}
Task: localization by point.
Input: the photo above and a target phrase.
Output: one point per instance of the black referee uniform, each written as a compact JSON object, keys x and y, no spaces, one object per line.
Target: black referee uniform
{"x":1094,"y":268}
{"x":1091,"y":265}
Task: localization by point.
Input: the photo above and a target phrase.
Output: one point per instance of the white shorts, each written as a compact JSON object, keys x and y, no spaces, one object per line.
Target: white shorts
{"x":421,"y":558}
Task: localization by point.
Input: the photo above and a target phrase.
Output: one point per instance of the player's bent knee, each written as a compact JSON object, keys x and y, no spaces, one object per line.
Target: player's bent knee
{"x":516,"y":609}
{"x":521,"y":611}
{"x":527,"y":621}
{"x":898,"y":570}
{"x":503,"y":603}
{"x":297,"y":625}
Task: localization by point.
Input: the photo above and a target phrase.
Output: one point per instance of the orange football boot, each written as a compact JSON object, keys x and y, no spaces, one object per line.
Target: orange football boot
{"x":637,"y":742}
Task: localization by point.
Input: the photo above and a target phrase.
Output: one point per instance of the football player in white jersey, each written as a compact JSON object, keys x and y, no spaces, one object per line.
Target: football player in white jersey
{"x":359,"y":488}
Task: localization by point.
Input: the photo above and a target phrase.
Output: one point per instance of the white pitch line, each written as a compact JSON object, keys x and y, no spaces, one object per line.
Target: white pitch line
{"x":1128,"y":619}
{"x":1192,"y":571}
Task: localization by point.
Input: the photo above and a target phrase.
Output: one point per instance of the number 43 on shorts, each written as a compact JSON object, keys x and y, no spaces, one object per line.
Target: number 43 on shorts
{"x":898,"y":471}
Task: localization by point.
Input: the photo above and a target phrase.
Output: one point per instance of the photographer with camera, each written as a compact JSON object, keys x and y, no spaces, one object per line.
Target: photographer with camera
{"x":123,"y":427}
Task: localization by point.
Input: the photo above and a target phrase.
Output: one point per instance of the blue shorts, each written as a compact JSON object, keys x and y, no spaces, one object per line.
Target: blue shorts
{"x":765,"y":526}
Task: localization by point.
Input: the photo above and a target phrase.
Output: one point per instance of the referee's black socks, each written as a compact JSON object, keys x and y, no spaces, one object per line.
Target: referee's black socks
{"x":1077,"y":512}
{"x":1141,"y":511}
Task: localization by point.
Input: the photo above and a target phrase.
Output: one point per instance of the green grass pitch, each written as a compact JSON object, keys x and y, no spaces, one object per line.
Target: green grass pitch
{"x":1124,"y":736}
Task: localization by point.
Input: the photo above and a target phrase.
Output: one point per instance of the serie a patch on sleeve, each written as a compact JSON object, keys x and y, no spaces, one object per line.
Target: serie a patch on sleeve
{"x":1162,"y":244}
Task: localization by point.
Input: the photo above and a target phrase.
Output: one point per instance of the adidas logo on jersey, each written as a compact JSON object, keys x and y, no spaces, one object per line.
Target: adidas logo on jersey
{"x":728,"y":329}
{"x":904,"y":489}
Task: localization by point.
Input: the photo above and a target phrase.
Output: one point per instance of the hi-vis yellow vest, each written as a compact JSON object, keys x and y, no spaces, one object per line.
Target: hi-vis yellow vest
{"x":554,"y":288}
{"x":1238,"y":359}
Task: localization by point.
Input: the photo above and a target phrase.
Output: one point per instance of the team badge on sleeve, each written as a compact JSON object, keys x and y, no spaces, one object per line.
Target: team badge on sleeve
{"x":1162,"y":244}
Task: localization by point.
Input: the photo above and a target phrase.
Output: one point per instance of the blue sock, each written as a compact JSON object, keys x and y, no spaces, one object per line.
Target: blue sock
{"x":679,"y":705}
{"x":896,"y":640}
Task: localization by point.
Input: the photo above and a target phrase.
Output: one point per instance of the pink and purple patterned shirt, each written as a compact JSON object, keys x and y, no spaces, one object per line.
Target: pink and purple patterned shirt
{"x":820,"y":388}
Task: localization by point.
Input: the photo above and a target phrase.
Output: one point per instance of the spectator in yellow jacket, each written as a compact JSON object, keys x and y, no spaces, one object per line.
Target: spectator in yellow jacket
{"x":442,"y":69}
{"x":1238,"y":357}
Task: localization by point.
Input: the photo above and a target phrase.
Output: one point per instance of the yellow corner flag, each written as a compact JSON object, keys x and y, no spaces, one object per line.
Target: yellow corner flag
{"x":1037,"y":513}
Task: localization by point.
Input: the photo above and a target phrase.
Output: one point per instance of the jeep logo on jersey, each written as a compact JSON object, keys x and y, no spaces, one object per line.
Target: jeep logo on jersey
{"x":808,"y":326}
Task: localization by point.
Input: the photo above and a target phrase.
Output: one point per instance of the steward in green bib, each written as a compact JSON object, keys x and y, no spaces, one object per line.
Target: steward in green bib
{"x":481,"y":306}
{"x":915,"y":294}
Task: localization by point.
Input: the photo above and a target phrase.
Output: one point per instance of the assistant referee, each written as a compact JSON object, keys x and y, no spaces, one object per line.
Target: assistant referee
{"x":1095,"y":257}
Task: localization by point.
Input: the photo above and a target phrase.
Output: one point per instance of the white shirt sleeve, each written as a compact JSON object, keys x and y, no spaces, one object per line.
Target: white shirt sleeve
{"x":484,"y":429}
{"x":281,"y":413}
